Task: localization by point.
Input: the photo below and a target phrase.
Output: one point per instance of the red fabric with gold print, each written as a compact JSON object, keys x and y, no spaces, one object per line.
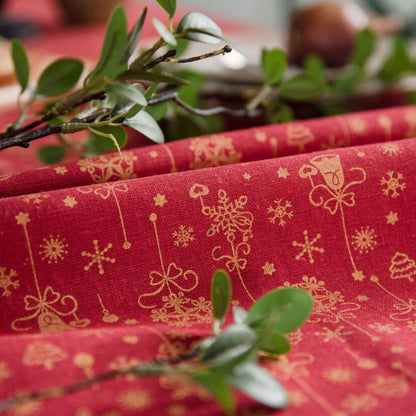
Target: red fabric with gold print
{"x":107,"y":262}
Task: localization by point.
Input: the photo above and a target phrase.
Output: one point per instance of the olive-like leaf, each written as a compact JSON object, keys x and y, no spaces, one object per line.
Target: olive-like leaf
{"x":126,"y":90}
{"x":51,"y":154}
{"x":274,"y":64}
{"x":20,"y":63}
{"x":169,"y":6}
{"x":218,"y":387}
{"x":257,"y":383}
{"x":363,"y":48}
{"x":59,"y":77}
{"x":275,"y":343}
{"x":314,"y":65}
{"x":138,"y":75}
{"x":200,"y":28}
{"x":117,"y":132}
{"x":145,"y":124}
{"x":134,"y":37}
{"x":303,"y":87}
{"x":164,"y":32}
{"x":292,"y":306}
{"x":220,"y":296}
{"x":348,"y":81}
{"x":114,"y":46}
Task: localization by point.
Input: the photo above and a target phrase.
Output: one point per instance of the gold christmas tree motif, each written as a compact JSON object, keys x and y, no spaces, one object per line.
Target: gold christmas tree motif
{"x":337,"y":334}
{"x":390,"y":386}
{"x":261,"y":137}
{"x":364,"y":240}
{"x":404,"y":309}
{"x":331,"y":307}
{"x":230,"y":219}
{"x":334,"y":193}
{"x":294,"y":367}
{"x":53,"y":249}
{"x":386,"y":124}
{"x":280,"y":211}
{"x":177,"y":308}
{"x":106,"y":190}
{"x":359,"y":403}
{"x":363,"y":363}
{"x":402,"y":267}
{"x":37,"y":198}
{"x":134,"y":400}
{"x":4,"y":371}
{"x":390,"y":149}
{"x":108,"y":317}
{"x":357,"y":125}
{"x":298,"y":135}
{"x":98,"y":257}
{"x":122,"y":363}
{"x":393,"y":183}
{"x":386,"y":328}
{"x":332,"y":143}
{"x":183,"y":236}
{"x":339,"y":375}
{"x":215,"y":150}
{"x":308,"y":247}
{"x":108,"y":168}
{"x":48,"y":306}
{"x":43,"y":353}
{"x":7,"y":280}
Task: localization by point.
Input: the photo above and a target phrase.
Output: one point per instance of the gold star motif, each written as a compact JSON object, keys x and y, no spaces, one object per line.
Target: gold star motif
{"x":358,"y":275}
{"x":160,"y":200}
{"x":247,"y":176}
{"x":22,"y":218}
{"x":268,"y":268}
{"x":60,"y":170}
{"x":282,"y":173}
{"x":70,"y":201}
{"x":392,"y":218}
{"x":362,"y":298}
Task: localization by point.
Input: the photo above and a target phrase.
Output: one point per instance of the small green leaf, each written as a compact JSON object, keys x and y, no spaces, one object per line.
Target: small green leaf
{"x":218,"y":387}
{"x":164,"y":32}
{"x":235,"y":345}
{"x":118,"y":133}
{"x":274,"y":64}
{"x":303,"y":87}
{"x":257,"y":383}
{"x":291,"y":305}
{"x":220,"y":296}
{"x":348,"y":81}
{"x":59,"y":77}
{"x":239,"y":315}
{"x":169,"y":6}
{"x":275,"y":343}
{"x":200,"y":28}
{"x":364,"y":47}
{"x":51,"y":154}
{"x":315,"y":66}
{"x":137,"y":75}
{"x":157,"y":111}
{"x":126,"y":90}
{"x":190,"y":94}
{"x":20,"y":63}
{"x":134,"y":37}
{"x":145,"y":124}
{"x":114,"y":46}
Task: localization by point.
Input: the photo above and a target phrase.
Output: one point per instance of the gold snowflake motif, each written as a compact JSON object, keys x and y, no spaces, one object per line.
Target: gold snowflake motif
{"x":4,"y":371}
{"x":53,"y":249}
{"x":339,"y":333}
{"x":387,"y":328}
{"x":391,"y":149}
{"x":6,"y":281}
{"x":364,"y":240}
{"x":98,"y":257}
{"x":213,"y":151}
{"x":393,"y":183}
{"x":122,"y":363}
{"x":355,"y":403}
{"x":183,"y":236}
{"x":280,"y":211}
{"x":134,"y":399}
{"x":36,"y":198}
{"x":229,"y":217}
{"x":339,"y":375}
{"x":308,"y":247}
{"x":390,"y":386}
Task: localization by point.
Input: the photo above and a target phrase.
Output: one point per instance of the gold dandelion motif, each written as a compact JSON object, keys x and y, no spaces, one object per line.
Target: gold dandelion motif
{"x":183,"y":236}
{"x":364,"y":240}
{"x":391,"y":149}
{"x":53,"y":249}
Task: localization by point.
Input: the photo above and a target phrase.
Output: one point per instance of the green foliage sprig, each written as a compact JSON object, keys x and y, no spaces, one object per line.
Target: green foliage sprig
{"x":230,"y":357}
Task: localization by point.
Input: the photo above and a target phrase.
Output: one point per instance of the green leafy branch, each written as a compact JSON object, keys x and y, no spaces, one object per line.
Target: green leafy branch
{"x":229,"y":358}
